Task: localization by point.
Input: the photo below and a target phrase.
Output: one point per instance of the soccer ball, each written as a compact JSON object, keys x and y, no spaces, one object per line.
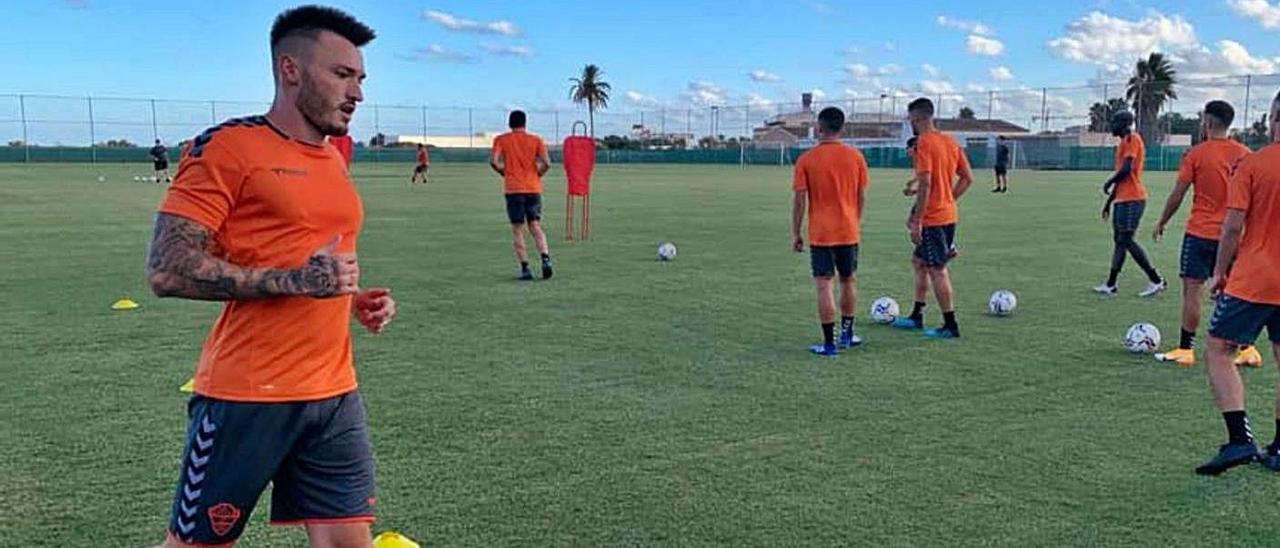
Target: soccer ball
{"x":137,"y":178}
{"x":667,"y":251}
{"x":1002,"y":303}
{"x":102,"y":179}
{"x":1142,"y":338}
{"x":884,"y":310}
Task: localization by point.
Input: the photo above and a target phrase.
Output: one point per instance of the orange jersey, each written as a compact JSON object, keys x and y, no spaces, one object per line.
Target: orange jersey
{"x":520,"y":151}
{"x":1255,"y":190}
{"x":1207,"y":167}
{"x":940,"y":156}
{"x":833,"y":175}
{"x":1131,"y":189}
{"x":271,"y":202}
{"x":423,"y":157}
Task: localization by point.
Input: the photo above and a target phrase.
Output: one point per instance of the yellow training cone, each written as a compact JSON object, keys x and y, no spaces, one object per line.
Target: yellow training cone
{"x":391,"y":539}
{"x":125,"y":304}
{"x":188,"y":387}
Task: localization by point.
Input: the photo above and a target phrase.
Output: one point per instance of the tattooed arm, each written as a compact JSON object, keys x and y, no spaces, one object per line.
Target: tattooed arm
{"x":182,"y":264}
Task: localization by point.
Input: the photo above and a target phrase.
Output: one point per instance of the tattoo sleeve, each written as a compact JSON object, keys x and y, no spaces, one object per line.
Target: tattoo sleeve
{"x":182,"y":263}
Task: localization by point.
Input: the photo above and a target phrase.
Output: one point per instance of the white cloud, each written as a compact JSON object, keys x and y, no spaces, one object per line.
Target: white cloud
{"x":818,"y":94}
{"x":981,"y":45}
{"x":509,"y":51}
{"x":934,"y":87}
{"x":437,"y":53}
{"x":1231,"y":59}
{"x":889,"y":70}
{"x":640,"y":99}
{"x":971,"y":27}
{"x":760,"y":75}
{"x":706,"y":93}
{"x":1001,"y":73}
{"x":451,"y":22}
{"x":755,"y":100}
{"x":1101,"y":39}
{"x":858,"y":71}
{"x":932,"y":71}
{"x":1262,"y":11}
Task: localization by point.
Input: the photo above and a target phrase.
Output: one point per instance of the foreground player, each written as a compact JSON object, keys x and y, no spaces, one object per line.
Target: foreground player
{"x":943,"y":175}
{"x":830,"y":183}
{"x":424,"y":164}
{"x":1206,"y":168}
{"x":521,"y":158}
{"x":264,"y":217}
{"x":1247,"y":280}
{"x":1126,"y":191}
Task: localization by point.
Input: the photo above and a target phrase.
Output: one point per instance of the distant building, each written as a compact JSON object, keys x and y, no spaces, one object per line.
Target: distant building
{"x":655,"y":140}
{"x":479,"y":140}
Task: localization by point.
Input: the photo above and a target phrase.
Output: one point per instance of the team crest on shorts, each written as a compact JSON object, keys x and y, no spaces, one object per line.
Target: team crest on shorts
{"x":222,"y":517}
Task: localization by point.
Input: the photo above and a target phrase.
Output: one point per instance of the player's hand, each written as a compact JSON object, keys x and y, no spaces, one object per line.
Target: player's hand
{"x":915,"y":232}
{"x":374,"y":308}
{"x":1106,"y":213}
{"x":329,"y":273}
{"x":797,"y":244}
{"x":1158,"y":233}
{"x":1217,"y":284}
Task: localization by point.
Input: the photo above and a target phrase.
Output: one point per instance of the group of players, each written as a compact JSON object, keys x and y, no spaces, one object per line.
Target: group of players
{"x":263,"y":216}
{"x":1230,"y":244}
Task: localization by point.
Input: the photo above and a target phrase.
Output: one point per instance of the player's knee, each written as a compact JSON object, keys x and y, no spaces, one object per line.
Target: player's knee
{"x":1124,"y":237}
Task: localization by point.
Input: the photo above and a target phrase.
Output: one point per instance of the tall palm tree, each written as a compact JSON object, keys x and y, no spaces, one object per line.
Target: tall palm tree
{"x":1151,"y":85}
{"x":593,"y":91}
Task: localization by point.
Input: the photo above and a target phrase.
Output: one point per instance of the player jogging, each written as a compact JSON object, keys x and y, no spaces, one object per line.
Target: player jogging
{"x":1246,"y":279}
{"x":830,"y":183}
{"x":264,"y":217}
{"x":424,"y":163}
{"x":1206,"y":168}
{"x":1125,"y":190}
{"x":943,"y":176}
{"x":521,"y":158}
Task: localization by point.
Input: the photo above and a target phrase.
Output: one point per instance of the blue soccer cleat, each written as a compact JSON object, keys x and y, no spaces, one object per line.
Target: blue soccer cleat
{"x":942,"y":333}
{"x":849,"y":340}
{"x":908,"y":323}
{"x":829,"y":351}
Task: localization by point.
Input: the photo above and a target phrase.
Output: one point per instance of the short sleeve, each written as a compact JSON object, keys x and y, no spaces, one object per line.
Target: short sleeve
{"x":962,"y":161}
{"x":800,"y":182}
{"x":206,"y":186}
{"x":1187,"y":167}
{"x":864,"y":177}
{"x":1240,"y":190}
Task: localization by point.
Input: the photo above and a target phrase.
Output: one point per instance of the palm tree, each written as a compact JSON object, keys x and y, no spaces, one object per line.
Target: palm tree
{"x":593,"y":91}
{"x":1150,"y":87}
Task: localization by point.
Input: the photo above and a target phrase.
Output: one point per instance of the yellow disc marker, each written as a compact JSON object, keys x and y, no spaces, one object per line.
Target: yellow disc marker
{"x":391,"y":539}
{"x":188,"y":387}
{"x":125,"y":304}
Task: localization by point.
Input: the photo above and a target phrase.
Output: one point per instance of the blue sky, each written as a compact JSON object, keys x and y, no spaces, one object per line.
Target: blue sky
{"x":495,"y":55}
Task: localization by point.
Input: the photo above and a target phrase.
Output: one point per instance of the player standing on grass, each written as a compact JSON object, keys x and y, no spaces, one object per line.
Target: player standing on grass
{"x":1206,"y":168}
{"x":830,"y":183}
{"x":424,"y":163}
{"x":943,"y":176}
{"x":1125,"y":190}
{"x":1246,"y":279}
{"x":916,"y":319}
{"x":1002,"y":165}
{"x":264,"y":217}
{"x":521,"y":158}
{"x":160,"y":161}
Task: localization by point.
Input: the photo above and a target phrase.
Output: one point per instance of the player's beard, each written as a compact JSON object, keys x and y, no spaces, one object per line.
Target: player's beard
{"x":317,"y":110}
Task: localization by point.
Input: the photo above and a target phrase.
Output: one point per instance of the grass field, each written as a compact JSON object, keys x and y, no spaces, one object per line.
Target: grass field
{"x":630,"y":402}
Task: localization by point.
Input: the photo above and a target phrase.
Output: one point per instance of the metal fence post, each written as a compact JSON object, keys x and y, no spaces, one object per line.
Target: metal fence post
{"x":93,"y":137}
{"x":1044,"y":109}
{"x":213,"y":113}
{"x":471,"y":129}
{"x":155,"y":126}
{"x":555,"y":115}
{"x":1248,"y":116}
{"x":377,"y":133}
{"x":26,"y":141}
{"x":424,"y":125}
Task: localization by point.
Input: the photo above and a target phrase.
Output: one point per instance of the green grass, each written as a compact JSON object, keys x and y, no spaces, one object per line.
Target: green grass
{"x":629,"y":402}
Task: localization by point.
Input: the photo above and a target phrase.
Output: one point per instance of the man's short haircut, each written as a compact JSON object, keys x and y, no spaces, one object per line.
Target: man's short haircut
{"x":831,"y":121}
{"x":922,"y":105}
{"x":310,"y":21}
{"x":1221,"y":113}
{"x":517,"y":119}
{"x":911,"y":143}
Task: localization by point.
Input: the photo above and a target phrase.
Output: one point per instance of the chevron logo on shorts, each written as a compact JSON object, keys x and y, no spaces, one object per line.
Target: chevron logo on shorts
{"x":222,"y":516}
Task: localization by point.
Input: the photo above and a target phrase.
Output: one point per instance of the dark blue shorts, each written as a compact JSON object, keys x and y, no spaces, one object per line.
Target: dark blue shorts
{"x":1199,"y":256}
{"x":1126,"y":216}
{"x":937,"y":245}
{"x":524,"y":208}
{"x":827,"y":260}
{"x":1241,"y":321}
{"x":316,"y":454}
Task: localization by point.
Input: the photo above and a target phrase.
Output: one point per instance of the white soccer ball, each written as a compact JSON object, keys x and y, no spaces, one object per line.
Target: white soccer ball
{"x":102,"y":179}
{"x":1142,"y":338}
{"x":667,"y":251}
{"x":137,"y":178}
{"x":1002,"y":303}
{"x":884,"y":310}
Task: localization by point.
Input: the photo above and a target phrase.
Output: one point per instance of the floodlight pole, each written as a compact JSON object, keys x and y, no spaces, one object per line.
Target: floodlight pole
{"x":26,"y":141}
{"x":1044,"y":105}
{"x":93,"y":138}
{"x":1248,"y":116}
{"x":424,"y":125}
{"x":155,"y":126}
{"x":213,"y":113}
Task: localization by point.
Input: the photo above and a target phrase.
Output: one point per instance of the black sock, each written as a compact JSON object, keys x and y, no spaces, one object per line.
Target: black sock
{"x":829,"y":334}
{"x":1140,"y":257}
{"x":1111,"y":280}
{"x":917,"y":313}
{"x":524,"y":265}
{"x":1188,"y":340}
{"x":846,"y":324}
{"x":1275,"y":444}
{"x":546,"y":256}
{"x":949,"y":321}
{"x":1238,"y":430}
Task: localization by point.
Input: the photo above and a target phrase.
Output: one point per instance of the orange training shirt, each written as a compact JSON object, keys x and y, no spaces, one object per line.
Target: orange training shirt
{"x":520,"y":150}
{"x":1131,"y":189}
{"x":832,"y":174}
{"x":1207,"y":166}
{"x":940,"y":156}
{"x":1255,"y":190}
